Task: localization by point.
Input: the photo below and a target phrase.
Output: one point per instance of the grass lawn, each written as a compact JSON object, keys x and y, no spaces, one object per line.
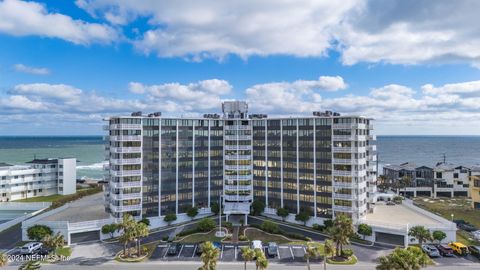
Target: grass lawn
{"x":461,"y":208}
{"x":201,"y":237}
{"x":256,"y":234}
{"x":50,"y":198}
{"x":350,"y":261}
{"x":64,"y":251}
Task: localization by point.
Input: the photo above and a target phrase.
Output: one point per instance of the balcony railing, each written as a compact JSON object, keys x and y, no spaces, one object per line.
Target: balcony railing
{"x":349,"y":173}
{"x":349,"y":126}
{"x":344,"y":196}
{"x":343,"y":184}
{"x":238,"y":167}
{"x":126,"y":126}
{"x":237,"y":187}
{"x":123,"y":161}
{"x":238,"y":147}
{"x":126,"y":184}
{"x":237,"y":127}
{"x":126,"y":173}
{"x":349,"y":137}
{"x":126,"y":138}
{"x":238,"y":177}
{"x":349,"y":161}
{"x":126,"y":149}
{"x":238,"y":157}
{"x":348,"y":149}
{"x":125,"y":208}
{"x":238,"y":137}
{"x":342,"y":208}
{"x":238,"y":197}
{"x":126,"y":196}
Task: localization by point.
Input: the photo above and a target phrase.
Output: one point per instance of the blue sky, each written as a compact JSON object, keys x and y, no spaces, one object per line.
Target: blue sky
{"x":65,"y":65}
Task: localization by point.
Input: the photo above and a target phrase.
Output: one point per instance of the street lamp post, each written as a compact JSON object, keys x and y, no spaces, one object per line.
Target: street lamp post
{"x":220,"y":232}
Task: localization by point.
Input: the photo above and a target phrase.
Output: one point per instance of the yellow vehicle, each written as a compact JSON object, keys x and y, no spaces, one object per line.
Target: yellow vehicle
{"x":459,"y":248}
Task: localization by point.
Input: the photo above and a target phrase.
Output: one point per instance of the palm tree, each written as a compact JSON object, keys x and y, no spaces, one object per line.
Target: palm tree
{"x":128,"y":232}
{"x":140,"y":230}
{"x":53,"y":241}
{"x":341,"y":232}
{"x":420,"y":233}
{"x":3,"y":259}
{"x":261,"y":261}
{"x":328,"y":249}
{"x":30,"y":265}
{"x":311,"y":251}
{"x":209,"y":256}
{"x":405,"y":182}
{"x":248,"y":255}
{"x":411,"y":258}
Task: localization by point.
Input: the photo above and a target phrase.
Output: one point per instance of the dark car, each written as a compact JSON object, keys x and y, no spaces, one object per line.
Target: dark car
{"x":467,"y":227}
{"x":445,"y":250}
{"x":272,"y":249}
{"x":199,"y":250}
{"x":43,"y":251}
{"x":173,"y":249}
{"x":475,"y":251}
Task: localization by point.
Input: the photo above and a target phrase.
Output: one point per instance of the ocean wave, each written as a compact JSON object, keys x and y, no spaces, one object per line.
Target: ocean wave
{"x":94,"y":166}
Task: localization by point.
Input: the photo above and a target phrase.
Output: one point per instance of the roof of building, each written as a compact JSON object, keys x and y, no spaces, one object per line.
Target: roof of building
{"x":409,"y":166}
{"x":448,"y":167}
{"x":43,"y":161}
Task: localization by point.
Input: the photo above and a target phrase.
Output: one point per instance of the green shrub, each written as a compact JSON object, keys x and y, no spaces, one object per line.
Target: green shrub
{"x":328,"y":223}
{"x":188,"y":232}
{"x":318,"y":227}
{"x":169,"y":218}
{"x":242,"y":238}
{"x":206,"y":225}
{"x":165,"y":238}
{"x":228,"y":225}
{"x":258,"y":206}
{"x":37,"y":232}
{"x":347,"y":253}
{"x":270,"y":227}
{"x":214,"y":207}
{"x":145,"y":221}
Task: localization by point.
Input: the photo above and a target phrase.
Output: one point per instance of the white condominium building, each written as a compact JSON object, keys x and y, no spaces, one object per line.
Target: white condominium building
{"x":324,"y":163}
{"x":40,"y":177}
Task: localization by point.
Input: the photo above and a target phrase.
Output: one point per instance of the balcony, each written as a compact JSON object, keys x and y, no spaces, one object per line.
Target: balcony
{"x":238,"y":177}
{"x":121,"y":138}
{"x":239,"y":127}
{"x":126,"y":184}
{"x":126,"y":173}
{"x":372,"y":137}
{"x":339,"y":208}
{"x":238,"y":137}
{"x":372,"y":147}
{"x":238,"y":197}
{"x":238,"y":167}
{"x":126,"y":196}
{"x":337,"y":149}
{"x":238,"y":147}
{"x":126,"y":126}
{"x":349,"y":137}
{"x":125,"y":208}
{"x":349,"y":161}
{"x":343,"y":185}
{"x":349,"y":173}
{"x":126,"y":149}
{"x":238,"y":157}
{"x":348,"y":197}
{"x":349,"y":126}
{"x":123,"y":161}
{"x":237,"y":187}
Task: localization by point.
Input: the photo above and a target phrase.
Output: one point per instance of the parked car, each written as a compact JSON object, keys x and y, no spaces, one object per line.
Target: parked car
{"x":29,"y":248}
{"x":256,"y":244}
{"x":173,"y":249}
{"x":475,"y":251}
{"x":217,"y":245}
{"x":390,"y":203}
{"x":459,"y":248}
{"x":431,"y":250}
{"x":444,"y":250}
{"x":272,"y":249}
{"x":467,"y":227}
{"x":199,"y":250}
{"x":43,"y":251}
{"x":476,"y":235}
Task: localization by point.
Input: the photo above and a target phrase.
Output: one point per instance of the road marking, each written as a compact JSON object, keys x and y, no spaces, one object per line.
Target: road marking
{"x":166,"y":251}
{"x":180,"y":253}
{"x":278,"y":253}
{"x":195,"y":251}
{"x":229,"y":246}
{"x":291,"y":252}
{"x":188,"y":246}
{"x":221,"y":254}
{"x":162,"y":246}
{"x":236,"y":253}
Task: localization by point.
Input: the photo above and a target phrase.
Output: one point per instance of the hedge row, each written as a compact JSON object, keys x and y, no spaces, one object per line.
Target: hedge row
{"x":72,"y":197}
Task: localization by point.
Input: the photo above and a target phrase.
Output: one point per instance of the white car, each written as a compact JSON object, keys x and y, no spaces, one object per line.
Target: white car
{"x":257,"y":244}
{"x":29,"y":248}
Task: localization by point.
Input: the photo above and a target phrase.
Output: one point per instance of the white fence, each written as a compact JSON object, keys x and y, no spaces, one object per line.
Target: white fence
{"x":24,"y":205}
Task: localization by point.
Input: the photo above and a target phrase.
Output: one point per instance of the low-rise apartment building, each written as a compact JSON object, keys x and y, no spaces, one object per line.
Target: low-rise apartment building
{"x":39,"y":177}
{"x":442,"y":180}
{"x":474,"y":186}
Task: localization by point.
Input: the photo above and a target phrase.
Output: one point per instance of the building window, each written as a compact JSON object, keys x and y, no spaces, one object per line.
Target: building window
{"x":455,"y":175}
{"x":439,"y":175}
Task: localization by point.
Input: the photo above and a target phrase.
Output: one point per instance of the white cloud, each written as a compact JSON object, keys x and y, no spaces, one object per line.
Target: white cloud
{"x":396,"y":108}
{"x":32,"y":70}
{"x":20,"y":18}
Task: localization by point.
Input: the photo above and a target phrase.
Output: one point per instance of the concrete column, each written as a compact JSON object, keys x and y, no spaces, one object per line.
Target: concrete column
{"x":246,"y":219}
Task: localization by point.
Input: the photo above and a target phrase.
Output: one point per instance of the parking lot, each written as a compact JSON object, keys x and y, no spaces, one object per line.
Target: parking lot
{"x":228,"y":253}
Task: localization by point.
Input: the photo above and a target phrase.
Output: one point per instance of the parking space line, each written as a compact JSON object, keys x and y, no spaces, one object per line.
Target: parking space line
{"x":166,"y":251}
{"x":180,"y":253}
{"x":291,"y":252}
{"x":162,"y":246}
{"x":278,"y":253}
{"x":195,"y":251}
{"x":221,"y":254}
{"x":236,"y":253}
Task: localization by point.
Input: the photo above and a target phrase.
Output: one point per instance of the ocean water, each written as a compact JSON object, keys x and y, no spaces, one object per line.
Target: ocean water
{"x":423,"y":150}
